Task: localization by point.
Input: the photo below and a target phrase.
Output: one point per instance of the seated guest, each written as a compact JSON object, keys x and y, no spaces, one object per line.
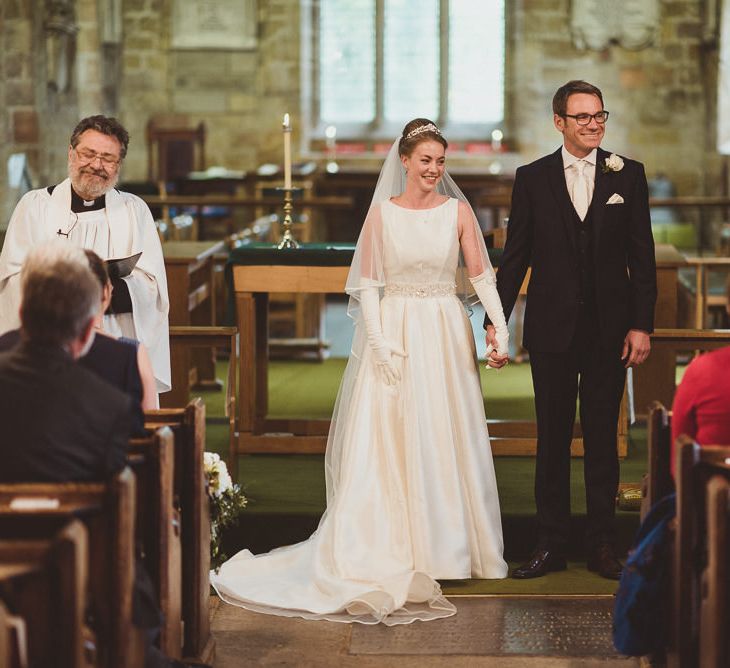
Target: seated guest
{"x":101,"y":361}
{"x":701,"y":407}
{"x":60,"y":421}
{"x":121,"y":362}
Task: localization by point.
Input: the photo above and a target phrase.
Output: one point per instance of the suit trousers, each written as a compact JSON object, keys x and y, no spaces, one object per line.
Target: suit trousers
{"x":596,"y":375}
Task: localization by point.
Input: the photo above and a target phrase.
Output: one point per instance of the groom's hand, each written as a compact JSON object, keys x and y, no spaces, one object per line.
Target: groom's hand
{"x":494,"y":359}
{"x":637,"y":345}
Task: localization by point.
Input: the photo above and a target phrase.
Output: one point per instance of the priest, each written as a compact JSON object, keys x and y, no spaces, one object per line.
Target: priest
{"x":88,"y":211}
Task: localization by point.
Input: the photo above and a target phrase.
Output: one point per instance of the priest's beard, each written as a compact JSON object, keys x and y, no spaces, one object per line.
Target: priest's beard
{"x":89,"y":182}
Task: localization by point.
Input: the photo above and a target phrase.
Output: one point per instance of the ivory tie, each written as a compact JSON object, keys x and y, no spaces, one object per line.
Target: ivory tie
{"x":580,"y":195}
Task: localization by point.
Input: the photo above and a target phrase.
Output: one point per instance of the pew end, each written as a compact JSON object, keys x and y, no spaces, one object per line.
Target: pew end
{"x":29,"y":511}
{"x":188,"y":426}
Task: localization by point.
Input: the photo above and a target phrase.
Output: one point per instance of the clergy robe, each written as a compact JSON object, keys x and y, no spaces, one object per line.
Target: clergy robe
{"x":124,"y":227}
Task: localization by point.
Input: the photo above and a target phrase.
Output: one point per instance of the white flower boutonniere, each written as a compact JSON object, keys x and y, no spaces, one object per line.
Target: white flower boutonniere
{"x":613,"y":163}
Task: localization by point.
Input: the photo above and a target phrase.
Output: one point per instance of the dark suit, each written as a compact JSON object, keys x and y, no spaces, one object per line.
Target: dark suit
{"x":591,"y":282}
{"x":112,"y":360}
{"x":59,"y":421}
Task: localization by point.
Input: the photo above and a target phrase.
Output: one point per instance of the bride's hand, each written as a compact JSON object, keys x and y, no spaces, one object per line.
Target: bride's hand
{"x":495,"y":344}
{"x":495,"y":360}
{"x":388,"y":371}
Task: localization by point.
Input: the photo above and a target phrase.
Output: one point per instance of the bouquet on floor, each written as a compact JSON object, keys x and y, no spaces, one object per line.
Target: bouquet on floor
{"x":227,"y":501}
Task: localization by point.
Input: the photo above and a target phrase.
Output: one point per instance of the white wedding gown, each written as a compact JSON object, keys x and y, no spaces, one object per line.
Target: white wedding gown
{"x":416,"y":497}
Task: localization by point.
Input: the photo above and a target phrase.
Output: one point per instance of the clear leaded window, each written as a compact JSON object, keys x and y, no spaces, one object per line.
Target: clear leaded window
{"x":380,"y":63}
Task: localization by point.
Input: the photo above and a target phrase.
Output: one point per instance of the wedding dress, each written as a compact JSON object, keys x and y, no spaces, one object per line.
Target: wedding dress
{"x":412,"y":495}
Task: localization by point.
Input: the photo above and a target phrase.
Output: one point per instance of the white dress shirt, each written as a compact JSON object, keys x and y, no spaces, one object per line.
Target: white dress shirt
{"x":571,"y":175}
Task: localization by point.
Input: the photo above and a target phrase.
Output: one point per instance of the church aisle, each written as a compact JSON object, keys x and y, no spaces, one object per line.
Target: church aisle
{"x":488,"y":631}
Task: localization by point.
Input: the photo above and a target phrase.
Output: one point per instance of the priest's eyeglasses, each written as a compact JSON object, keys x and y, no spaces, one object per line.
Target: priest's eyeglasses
{"x":584,"y":119}
{"x":87,"y":156}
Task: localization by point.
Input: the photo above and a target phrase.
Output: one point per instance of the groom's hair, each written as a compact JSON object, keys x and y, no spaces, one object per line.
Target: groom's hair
{"x":560,"y":99}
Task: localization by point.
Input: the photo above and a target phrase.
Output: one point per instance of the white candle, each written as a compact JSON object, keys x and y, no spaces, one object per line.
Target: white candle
{"x":331,"y":134}
{"x":497,"y":137}
{"x":286,"y":126}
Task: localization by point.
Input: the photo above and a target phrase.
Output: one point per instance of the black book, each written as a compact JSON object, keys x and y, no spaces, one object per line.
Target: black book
{"x":120,"y":267}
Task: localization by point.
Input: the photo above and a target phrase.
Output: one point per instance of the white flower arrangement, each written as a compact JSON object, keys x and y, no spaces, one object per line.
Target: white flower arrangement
{"x":226,"y":502}
{"x":219,"y":480}
{"x":613,"y":163}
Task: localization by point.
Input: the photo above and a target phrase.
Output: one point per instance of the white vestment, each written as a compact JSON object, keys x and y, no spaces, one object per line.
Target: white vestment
{"x":123,"y":228}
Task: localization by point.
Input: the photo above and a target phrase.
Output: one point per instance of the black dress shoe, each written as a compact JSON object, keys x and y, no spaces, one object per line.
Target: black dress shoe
{"x":602,"y":560}
{"x":541,"y":563}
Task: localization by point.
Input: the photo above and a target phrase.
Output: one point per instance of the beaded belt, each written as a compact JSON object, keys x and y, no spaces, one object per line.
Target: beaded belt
{"x":419,"y":289}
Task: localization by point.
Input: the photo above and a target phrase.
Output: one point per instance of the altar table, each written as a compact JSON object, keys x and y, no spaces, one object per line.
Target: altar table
{"x":257,"y":271}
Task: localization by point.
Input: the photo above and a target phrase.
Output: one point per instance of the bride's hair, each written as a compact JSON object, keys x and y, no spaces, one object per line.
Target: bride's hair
{"x":417,"y":131}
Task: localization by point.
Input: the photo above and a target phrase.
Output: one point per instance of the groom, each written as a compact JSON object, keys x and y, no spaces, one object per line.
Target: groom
{"x":580,"y":220}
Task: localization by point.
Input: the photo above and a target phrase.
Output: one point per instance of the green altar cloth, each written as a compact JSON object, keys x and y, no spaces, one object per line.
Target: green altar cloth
{"x":307,"y":255}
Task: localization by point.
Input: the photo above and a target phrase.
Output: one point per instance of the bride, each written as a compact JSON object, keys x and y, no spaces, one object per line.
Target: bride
{"x":411,"y":490}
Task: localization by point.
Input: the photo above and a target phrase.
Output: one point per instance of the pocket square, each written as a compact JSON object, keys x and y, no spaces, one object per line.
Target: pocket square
{"x":615,"y":199}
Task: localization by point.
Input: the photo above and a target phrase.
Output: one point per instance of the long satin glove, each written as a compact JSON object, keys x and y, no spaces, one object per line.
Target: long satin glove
{"x":382,"y":350}
{"x":485,"y":285}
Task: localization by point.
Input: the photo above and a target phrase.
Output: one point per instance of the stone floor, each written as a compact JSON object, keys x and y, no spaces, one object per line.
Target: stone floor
{"x":537,"y":632}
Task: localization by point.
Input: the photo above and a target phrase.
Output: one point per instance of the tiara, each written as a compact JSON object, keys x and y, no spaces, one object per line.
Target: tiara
{"x":430,"y":127}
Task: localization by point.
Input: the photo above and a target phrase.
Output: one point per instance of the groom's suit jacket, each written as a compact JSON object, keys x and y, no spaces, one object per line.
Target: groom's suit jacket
{"x":542,"y":234}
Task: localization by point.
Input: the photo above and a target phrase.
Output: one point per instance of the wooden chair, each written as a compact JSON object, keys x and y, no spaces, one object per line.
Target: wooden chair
{"x":715,"y":606}
{"x":658,"y":481}
{"x":45,"y":582}
{"x":695,"y":466}
{"x":174,"y":152}
{"x":188,"y":426}
{"x":158,"y":529}
{"x":32,"y":510}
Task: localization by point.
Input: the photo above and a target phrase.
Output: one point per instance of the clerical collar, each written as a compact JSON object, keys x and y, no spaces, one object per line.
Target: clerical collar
{"x":80,"y":205}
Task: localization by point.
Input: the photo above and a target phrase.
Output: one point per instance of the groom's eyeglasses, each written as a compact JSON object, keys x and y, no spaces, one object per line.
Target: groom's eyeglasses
{"x":585,"y":119}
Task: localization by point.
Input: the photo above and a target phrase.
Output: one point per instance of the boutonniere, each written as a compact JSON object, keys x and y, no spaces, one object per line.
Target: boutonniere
{"x":613,"y":163}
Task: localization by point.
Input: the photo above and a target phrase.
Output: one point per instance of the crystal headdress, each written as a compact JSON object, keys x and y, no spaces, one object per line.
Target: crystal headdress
{"x":430,"y":127}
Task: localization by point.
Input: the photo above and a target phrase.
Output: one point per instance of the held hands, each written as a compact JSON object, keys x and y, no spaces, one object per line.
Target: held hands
{"x":495,"y":360}
{"x":485,"y":285}
{"x":637,"y":345}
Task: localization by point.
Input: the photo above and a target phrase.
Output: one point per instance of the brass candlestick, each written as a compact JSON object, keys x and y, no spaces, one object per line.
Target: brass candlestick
{"x":288,"y":240}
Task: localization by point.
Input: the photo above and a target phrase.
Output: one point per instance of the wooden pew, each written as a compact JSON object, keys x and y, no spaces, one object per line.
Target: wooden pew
{"x":715,"y":606}
{"x":45,"y":583}
{"x":184,"y":338}
{"x":5,"y":639}
{"x":658,"y":482}
{"x":188,"y":426}
{"x":158,"y":529}
{"x":108,"y":513}
{"x":695,"y":465}
{"x":13,"y":640}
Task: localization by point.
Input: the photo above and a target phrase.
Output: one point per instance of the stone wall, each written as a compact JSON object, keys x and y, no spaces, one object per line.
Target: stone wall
{"x":240,"y":95}
{"x":662,"y":98}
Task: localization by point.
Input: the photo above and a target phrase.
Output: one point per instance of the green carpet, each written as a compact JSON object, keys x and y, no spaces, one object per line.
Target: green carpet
{"x":287,"y":496}
{"x":574,"y":581}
